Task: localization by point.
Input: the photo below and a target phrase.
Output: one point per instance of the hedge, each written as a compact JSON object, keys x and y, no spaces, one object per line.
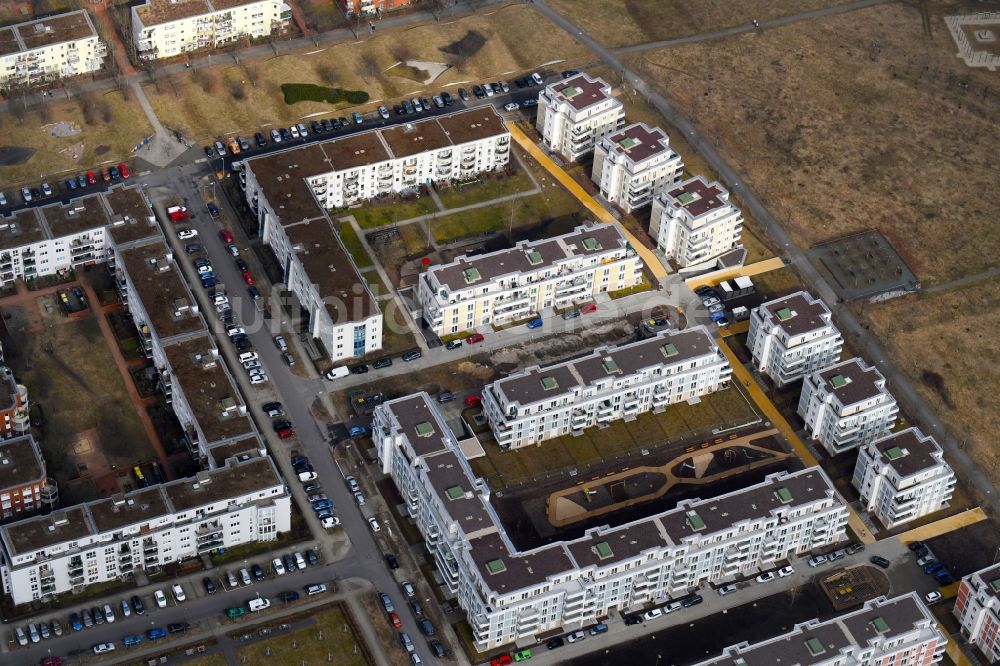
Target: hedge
{"x":310,"y":92}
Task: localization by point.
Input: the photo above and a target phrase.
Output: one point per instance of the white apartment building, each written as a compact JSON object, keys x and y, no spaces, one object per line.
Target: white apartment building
{"x":575,"y":113}
{"x":512,"y":595}
{"x":846,"y":406}
{"x":510,"y":285}
{"x":110,"y":539}
{"x":902,"y":477}
{"x":610,"y":383}
{"x":47,"y":49}
{"x":977,"y":608}
{"x":168,"y":28}
{"x":694,"y":222}
{"x":793,"y":336}
{"x":884,"y":631}
{"x":633,"y":164}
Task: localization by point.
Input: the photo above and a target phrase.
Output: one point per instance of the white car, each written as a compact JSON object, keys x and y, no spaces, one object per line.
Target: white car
{"x":207,"y":268}
{"x":765,"y":577}
{"x":279,"y":568}
{"x":786,"y":571}
{"x":710,"y":301}
{"x":330,"y":523}
{"x":258,"y":379}
{"x":359,"y":498}
{"x":817,"y":560}
{"x":652,"y":614}
{"x":294,"y":131}
{"x":511,"y":106}
{"x":178,"y":593}
{"x":576,"y":636}
{"x":161,"y":599}
{"x":101,"y":648}
{"x":221,"y":299}
{"x":931,"y":597}
{"x":249,"y":356}
{"x":488,"y":89}
{"x":233,"y":250}
{"x":727,"y":589}
{"x":234,"y":331}
{"x":252,"y":365}
{"x":109,"y":614}
{"x":185,"y":234}
{"x":275,"y":136}
{"x":302,"y":130}
{"x":373,"y":523}
{"x":306,"y":477}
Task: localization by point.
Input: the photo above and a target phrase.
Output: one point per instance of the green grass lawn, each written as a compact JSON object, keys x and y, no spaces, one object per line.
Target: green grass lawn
{"x":325,"y":641}
{"x":354,"y":246}
{"x":508,"y":216}
{"x":645,"y":285}
{"x":485,"y":189}
{"x":378,"y":214}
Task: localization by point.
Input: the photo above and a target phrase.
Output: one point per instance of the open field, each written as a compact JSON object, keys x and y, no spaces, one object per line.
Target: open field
{"x":827,"y":119}
{"x":354,"y":246}
{"x":486,"y":187}
{"x":948,"y":346}
{"x":626,"y":22}
{"x":379,"y":213}
{"x":516,"y":39}
{"x":116,"y":127}
{"x":322,"y":640}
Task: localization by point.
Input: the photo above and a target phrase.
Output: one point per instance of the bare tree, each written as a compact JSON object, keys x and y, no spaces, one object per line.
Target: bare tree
{"x":328,"y":73}
{"x":205,"y":79}
{"x":252,"y":70}
{"x":402,"y":51}
{"x":369,"y":66}
{"x":44,"y":113}
{"x":19,"y":106}
{"x":105,"y":110}
{"x":236,"y":91}
{"x":88,"y":108}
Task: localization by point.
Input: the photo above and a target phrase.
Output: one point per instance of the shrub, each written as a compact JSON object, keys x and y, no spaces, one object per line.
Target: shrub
{"x":310,"y":92}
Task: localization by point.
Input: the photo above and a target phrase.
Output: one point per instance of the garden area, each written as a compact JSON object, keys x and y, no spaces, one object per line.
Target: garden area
{"x":325,"y":636}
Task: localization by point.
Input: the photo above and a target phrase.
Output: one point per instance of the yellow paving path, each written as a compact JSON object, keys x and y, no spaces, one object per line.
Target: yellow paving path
{"x":778,"y":421}
{"x":598,"y":211}
{"x":949,"y":524}
{"x":712,"y":279}
{"x":953,"y":650}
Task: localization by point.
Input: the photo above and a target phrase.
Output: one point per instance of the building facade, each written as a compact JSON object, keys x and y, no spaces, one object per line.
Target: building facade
{"x":372,"y":7}
{"x":632,"y":164}
{"x":110,"y":539}
{"x":610,"y":383}
{"x":23,"y":476}
{"x":977,"y":608}
{"x":14,"y":406}
{"x":883,"y":631}
{"x":793,"y":336}
{"x":48,"y":49}
{"x":694,"y":222}
{"x":168,"y":28}
{"x":511,"y":285}
{"x":902,"y":477}
{"x":846,"y":406}
{"x":512,"y":595}
{"x":575,"y":113}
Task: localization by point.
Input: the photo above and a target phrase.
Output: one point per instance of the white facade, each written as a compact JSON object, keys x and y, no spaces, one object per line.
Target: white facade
{"x":633,"y":164}
{"x":611,"y":383}
{"x":110,"y":539}
{"x":902,"y":477}
{"x":793,"y":336}
{"x":167,"y":28}
{"x":977,"y":608}
{"x":694,"y":222}
{"x":575,"y":113}
{"x":882,"y":632}
{"x":513,"y":595}
{"x":511,"y":285}
{"x":846,"y":406}
{"x":48,"y":49}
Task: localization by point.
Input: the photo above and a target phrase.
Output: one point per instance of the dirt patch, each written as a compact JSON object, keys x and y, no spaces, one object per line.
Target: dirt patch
{"x":466,"y":47}
{"x":64,"y":128}
{"x":853,"y":586}
{"x":13,"y":155}
{"x":73,"y":151}
{"x":101,"y":150}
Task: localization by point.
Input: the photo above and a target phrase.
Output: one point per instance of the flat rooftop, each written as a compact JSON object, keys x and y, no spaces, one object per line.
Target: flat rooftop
{"x":414,"y":138}
{"x":80,"y":215}
{"x":119,"y":511}
{"x":36,"y":34}
{"x":697,"y":196}
{"x":529,"y":256}
{"x":233,"y":480}
{"x":991,"y":580}
{"x":164,"y":297}
{"x":155,"y":12}
{"x":207,"y":388}
{"x":245,"y":446}
{"x":852,"y":381}
{"x":640,"y":142}
{"x":908,"y":452}
{"x":582,"y":91}
{"x":131,"y":218}
{"x":60,"y":526}
{"x":506,"y":572}
{"x":797,"y":314}
{"x":419,"y":422}
{"x":22,"y":228}
{"x":21,"y":462}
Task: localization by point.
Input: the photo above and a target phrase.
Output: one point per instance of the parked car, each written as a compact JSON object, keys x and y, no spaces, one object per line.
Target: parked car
{"x":855,"y":547}
{"x":651,"y":614}
{"x":426,"y":626}
{"x":137,"y":605}
{"x":382,"y":363}
{"x":817,"y":560}
{"x":535,"y":323}
{"x":879,"y":561}
{"x":554,"y":643}
{"x":786,"y":571}
{"x":209,"y":586}
{"x":178,"y":627}
{"x":453,"y":344}
{"x":691,"y":600}
{"x":178,"y":593}
{"x":931,"y":597}
{"x":765,"y":577}
{"x":474,"y":338}
{"x":473,"y":400}
{"x":103,"y":648}
{"x":373,"y":524}
{"x":726,"y":589}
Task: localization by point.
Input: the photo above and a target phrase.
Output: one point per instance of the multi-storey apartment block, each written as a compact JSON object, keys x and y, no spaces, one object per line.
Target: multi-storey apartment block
{"x":291,"y":190}
{"x":110,"y":539}
{"x":633,"y":164}
{"x":372,"y":7}
{"x":168,"y":28}
{"x":513,"y":595}
{"x":13,"y":405}
{"x":694,"y":222}
{"x":575,"y":113}
{"x":610,"y":383}
{"x":902,"y":477}
{"x":977,"y":608}
{"x":47,"y":49}
{"x":846,"y":406}
{"x":883,"y":631}
{"x":793,"y":336}
{"x":22,"y":476}
{"x":513,"y":284}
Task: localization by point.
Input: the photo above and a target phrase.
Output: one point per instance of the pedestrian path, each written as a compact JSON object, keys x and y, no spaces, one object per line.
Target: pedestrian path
{"x":601,"y":213}
{"x":943,"y":526}
{"x":756,"y":268}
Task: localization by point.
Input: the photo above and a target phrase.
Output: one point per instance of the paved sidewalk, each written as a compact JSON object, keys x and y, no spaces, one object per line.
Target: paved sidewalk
{"x":938,"y":527}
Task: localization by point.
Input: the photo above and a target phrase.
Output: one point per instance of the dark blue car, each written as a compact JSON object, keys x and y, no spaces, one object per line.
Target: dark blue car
{"x":535,"y":323}
{"x":156,"y":633}
{"x":74,"y":622}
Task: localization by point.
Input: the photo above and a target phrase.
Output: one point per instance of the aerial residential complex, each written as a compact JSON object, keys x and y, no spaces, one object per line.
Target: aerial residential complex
{"x":793,"y":336}
{"x":23,"y":477}
{"x":291,"y":190}
{"x":884,"y":631}
{"x":610,"y":383}
{"x":693,"y":222}
{"x":846,"y":406}
{"x":902,"y":477}
{"x":46,"y":49}
{"x":512,"y":595}
{"x":112,"y":538}
{"x":633,"y":164}
{"x":510,"y":285}
{"x":574,"y":114}
{"x":167,"y":28}
{"x":978,"y":610}
{"x":14,"y":403}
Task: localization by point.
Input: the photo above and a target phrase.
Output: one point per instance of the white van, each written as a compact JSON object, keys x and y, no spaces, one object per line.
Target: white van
{"x":537,"y":79}
{"x":319,"y":588}
{"x":256,"y":605}
{"x":338,"y":373}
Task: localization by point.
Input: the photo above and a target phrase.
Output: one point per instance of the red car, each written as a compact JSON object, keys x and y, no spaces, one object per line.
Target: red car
{"x":473,"y":400}
{"x":588,"y":308}
{"x":105,"y":175}
{"x":286,"y":433}
{"x":502,"y":660}
{"x":394,"y":618}
{"x":474,"y":338}
{"x":225,"y":236}
{"x":248,"y":278}
{"x":91,"y":178}
{"x":52,"y":661}
{"x":124,"y":171}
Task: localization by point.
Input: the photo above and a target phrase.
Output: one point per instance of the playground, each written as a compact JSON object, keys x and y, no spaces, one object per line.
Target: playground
{"x":851,"y":587}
